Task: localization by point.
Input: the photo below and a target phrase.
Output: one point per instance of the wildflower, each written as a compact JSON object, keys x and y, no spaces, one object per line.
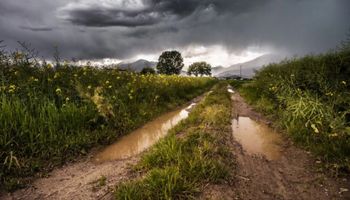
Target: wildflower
{"x":109,"y":86}
{"x":56,"y":75}
{"x":18,"y":55}
{"x":67,"y":99}
{"x":89,"y":87}
{"x":58,"y":91}
{"x":333,"y":135}
{"x":107,"y":82}
{"x":12,"y":88}
{"x":343,"y":82}
{"x":36,"y":80}
{"x":75,"y":75}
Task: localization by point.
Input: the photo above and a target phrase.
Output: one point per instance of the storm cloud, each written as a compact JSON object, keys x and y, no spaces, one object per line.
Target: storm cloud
{"x":93,"y":29}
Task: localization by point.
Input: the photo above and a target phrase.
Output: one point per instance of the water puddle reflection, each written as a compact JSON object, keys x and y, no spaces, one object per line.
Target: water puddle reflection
{"x":144,"y":137}
{"x":257,"y":138}
{"x":230,"y":91}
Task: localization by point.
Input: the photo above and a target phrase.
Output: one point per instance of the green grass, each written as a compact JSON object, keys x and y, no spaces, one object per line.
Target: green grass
{"x":309,"y":97}
{"x":193,"y":154}
{"x":49,"y":115}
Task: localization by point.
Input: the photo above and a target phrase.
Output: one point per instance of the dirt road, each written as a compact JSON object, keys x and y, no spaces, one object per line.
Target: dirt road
{"x":96,"y":176}
{"x":293,"y":175}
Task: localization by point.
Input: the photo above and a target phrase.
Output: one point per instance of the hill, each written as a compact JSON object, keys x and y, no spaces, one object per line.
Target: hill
{"x":248,"y":68}
{"x":137,"y":65}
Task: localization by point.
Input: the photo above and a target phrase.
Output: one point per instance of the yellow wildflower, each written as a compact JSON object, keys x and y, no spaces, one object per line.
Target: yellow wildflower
{"x":58,"y":91}
{"x":56,"y":75}
{"x":12,"y":88}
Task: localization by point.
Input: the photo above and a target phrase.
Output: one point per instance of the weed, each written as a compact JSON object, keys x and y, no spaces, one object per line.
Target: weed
{"x":178,"y":167}
{"x":310,"y":98}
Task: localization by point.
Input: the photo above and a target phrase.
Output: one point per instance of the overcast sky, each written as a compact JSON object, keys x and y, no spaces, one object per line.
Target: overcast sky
{"x":223,"y":32}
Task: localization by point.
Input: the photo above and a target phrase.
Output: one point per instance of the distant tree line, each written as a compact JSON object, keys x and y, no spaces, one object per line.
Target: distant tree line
{"x":171,"y":62}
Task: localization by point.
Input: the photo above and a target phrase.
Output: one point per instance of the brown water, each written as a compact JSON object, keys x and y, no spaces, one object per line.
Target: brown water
{"x":144,"y":137}
{"x":257,"y":138}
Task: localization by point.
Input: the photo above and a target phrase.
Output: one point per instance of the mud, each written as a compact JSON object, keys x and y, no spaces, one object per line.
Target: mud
{"x":96,"y":179}
{"x":144,"y":137}
{"x":256,"y":138}
{"x":294,"y":174}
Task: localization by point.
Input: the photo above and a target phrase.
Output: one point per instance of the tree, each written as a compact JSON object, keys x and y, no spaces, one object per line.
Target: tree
{"x":199,"y":68}
{"x":170,"y":62}
{"x":148,"y":70}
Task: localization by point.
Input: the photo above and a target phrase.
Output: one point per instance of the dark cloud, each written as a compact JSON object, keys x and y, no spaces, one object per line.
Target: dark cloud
{"x":111,"y":17}
{"x":124,"y":28}
{"x":154,"y":11}
{"x":36,"y":28}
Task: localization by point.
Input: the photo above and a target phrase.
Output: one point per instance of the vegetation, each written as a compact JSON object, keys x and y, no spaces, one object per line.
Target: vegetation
{"x":310,"y":98}
{"x":194,"y":154}
{"x":170,"y":62}
{"x":50,"y":114}
{"x":199,"y":68}
{"x":148,"y":70}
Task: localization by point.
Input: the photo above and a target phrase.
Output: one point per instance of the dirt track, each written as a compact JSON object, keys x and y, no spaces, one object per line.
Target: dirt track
{"x":293,"y":176}
{"x":81,"y":180}
{"x":77,"y":181}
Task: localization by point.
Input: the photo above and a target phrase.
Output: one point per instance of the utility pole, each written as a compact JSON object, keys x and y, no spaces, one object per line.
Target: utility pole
{"x":240,"y":71}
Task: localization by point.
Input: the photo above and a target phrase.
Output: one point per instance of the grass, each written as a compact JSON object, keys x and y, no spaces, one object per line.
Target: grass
{"x":194,"y":154}
{"x":49,"y":115}
{"x":309,"y":97}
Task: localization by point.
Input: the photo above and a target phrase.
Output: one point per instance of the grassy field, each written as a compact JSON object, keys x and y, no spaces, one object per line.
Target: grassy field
{"x":309,"y":97}
{"x":194,"y":154}
{"x":49,"y":115}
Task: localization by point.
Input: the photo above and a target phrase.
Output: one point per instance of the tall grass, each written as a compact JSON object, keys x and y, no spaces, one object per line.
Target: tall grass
{"x":310,"y":98}
{"x":50,"y":114}
{"x":178,"y":167}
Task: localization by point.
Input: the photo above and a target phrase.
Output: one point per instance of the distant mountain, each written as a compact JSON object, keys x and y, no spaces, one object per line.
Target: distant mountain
{"x":248,"y":68}
{"x":137,"y":65}
{"x":217,"y":69}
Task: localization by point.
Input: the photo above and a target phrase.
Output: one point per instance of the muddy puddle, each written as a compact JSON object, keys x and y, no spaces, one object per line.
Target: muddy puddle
{"x":144,"y":137}
{"x":256,"y":138}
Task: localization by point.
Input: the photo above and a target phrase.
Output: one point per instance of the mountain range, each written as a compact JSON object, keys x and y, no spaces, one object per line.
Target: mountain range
{"x":246,"y":69}
{"x":137,"y":65}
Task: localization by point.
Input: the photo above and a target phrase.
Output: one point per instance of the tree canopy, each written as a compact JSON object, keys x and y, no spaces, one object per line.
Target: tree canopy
{"x":199,"y":68}
{"x":148,"y":70}
{"x":170,"y":62}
